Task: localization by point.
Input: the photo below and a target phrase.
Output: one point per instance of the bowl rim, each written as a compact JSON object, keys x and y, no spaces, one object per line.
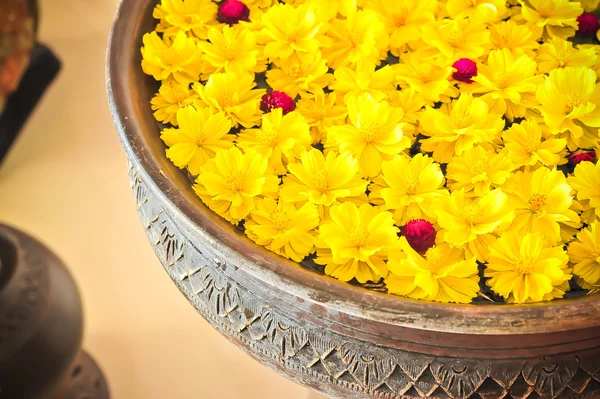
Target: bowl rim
{"x":132,"y":116}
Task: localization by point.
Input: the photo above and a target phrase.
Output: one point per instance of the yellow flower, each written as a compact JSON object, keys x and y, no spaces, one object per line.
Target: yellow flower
{"x":411,"y":186}
{"x":478,"y":170}
{"x":557,"y":17}
{"x":359,"y":37}
{"x":232,"y":50}
{"x":178,"y":58}
{"x":585,"y":254}
{"x":473,"y":222}
{"x":352,"y":82}
{"x":560,"y":53}
{"x":585,"y":181}
{"x":282,"y":138}
{"x":411,"y":105}
{"x":374,"y":133}
{"x":525,"y":268}
{"x":570,"y":98}
{"x":201,"y":134}
{"x":403,"y":20}
{"x":419,"y":72}
{"x":442,"y":274}
{"x":528,"y":145}
{"x":359,"y":239}
{"x":172,"y":97}
{"x":488,"y":11}
{"x":510,"y":80}
{"x":458,"y":126}
{"x":323,"y":180}
{"x":283,"y":228}
{"x":457,"y":38}
{"x":321,"y":112}
{"x":519,"y":39}
{"x":234,"y":95}
{"x":541,"y":200}
{"x":194,"y":16}
{"x":292,"y":30}
{"x":295,"y":76}
{"x":237,"y":179}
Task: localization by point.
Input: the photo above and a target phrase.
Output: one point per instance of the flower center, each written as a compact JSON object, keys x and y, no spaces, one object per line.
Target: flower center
{"x":471,"y":214}
{"x":294,"y":72}
{"x":572,"y":101}
{"x":455,"y":36}
{"x":320,"y":180}
{"x":229,"y":52}
{"x":436,"y":257}
{"x":225,"y":101}
{"x":532,"y":145}
{"x":546,"y":8}
{"x":399,"y":17}
{"x":358,"y":236}
{"x":235,"y":181}
{"x":501,"y":79}
{"x":425,"y":72}
{"x":279,"y":220}
{"x":269,"y":136}
{"x":537,"y":202}
{"x":369,"y":131}
{"x":410,"y":184}
{"x":523,"y":265}
{"x":480,"y":166}
{"x":462,"y":120}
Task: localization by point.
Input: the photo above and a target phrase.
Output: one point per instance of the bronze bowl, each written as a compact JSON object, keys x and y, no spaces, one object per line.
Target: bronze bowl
{"x":341,"y":340}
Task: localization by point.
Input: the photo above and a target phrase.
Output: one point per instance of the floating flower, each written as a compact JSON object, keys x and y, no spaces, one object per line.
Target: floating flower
{"x":374,"y":133}
{"x":277,"y":99}
{"x":528,"y":145}
{"x":585,"y":182}
{"x":233,"y":95}
{"x":323,"y":180}
{"x":282,"y":138}
{"x":195,"y":16}
{"x":560,"y":53}
{"x":525,"y":268}
{"x":237,"y":179}
{"x":172,"y":97}
{"x":420,"y":234}
{"x":557,"y":17}
{"x":465,"y":70}
{"x":295,"y":76}
{"x":359,"y":239}
{"x":581,"y":156}
{"x":232,"y":12}
{"x":283,"y":227}
{"x":321,"y":112}
{"x":457,"y":38}
{"x":421,"y":73}
{"x":442,"y":274}
{"x":519,"y":39}
{"x":178,"y":58}
{"x":585,"y":254}
{"x":353,"y":82}
{"x":201,"y":134}
{"x":588,"y":24}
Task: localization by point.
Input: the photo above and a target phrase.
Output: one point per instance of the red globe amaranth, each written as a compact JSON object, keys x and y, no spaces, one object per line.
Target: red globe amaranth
{"x":588,"y":24}
{"x":277,"y":99}
{"x":420,"y":234}
{"x":233,"y":11}
{"x":466,"y":69}
{"x":577,"y":157}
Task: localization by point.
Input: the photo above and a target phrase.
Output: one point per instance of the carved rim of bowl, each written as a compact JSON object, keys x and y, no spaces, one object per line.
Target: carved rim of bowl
{"x":129,"y":97}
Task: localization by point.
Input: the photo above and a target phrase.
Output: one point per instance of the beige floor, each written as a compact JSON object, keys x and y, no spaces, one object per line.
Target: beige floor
{"x":65,"y":182}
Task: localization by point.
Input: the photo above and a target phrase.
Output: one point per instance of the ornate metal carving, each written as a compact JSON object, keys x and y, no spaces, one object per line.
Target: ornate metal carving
{"x":339,"y":365}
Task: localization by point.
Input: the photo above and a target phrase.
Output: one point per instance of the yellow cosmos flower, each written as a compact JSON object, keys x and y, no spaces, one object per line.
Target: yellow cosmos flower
{"x":478,"y":171}
{"x":295,"y":76}
{"x":510,"y":80}
{"x":359,"y":37}
{"x":541,"y":200}
{"x":473,"y":222}
{"x":519,"y":39}
{"x":557,"y":17}
{"x":283,"y":138}
{"x":585,"y":254}
{"x":195,"y":16}
{"x":525,"y":268}
{"x":560,"y":53}
{"x":411,"y":186}
{"x":458,"y":126}
{"x":353,"y":82}
{"x":585,"y":181}
{"x":323,"y":180}
{"x":283,"y":228}
{"x":321,"y":112}
{"x":201,"y":134}
{"x":232,"y":50}
{"x":172,"y":97}
{"x":411,"y":105}
{"x":359,"y":239}
{"x":178,"y":58}
{"x":403,"y":20}
{"x":528,"y":145}
{"x":421,"y":73}
{"x":373,"y":135}
{"x":292,"y":30}
{"x":457,"y":38}
{"x":237,"y":179}
{"x":488,"y":11}
{"x":233,"y":95}
{"x":442,"y":274}
{"x":570,"y":98}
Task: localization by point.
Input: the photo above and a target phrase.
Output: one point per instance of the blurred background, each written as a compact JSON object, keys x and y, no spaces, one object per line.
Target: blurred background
{"x":65,"y":182}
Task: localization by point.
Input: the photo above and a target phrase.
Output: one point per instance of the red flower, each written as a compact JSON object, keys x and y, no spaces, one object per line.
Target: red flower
{"x":277,"y":99}
{"x":588,"y":24}
{"x":577,"y":157}
{"x":233,"y":11}
{"x":465,"y":70}
{"x":420,"y":234}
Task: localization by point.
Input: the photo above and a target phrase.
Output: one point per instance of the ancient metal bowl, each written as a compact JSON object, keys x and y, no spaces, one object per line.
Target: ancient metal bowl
{"x":342,"y":340}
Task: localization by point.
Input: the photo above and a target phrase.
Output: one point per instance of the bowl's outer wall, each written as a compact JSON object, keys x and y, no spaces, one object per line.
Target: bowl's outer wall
{"x":337,"y":338}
